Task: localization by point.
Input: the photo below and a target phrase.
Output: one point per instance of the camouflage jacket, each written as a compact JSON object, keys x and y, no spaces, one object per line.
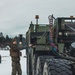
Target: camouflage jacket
{"x":14,"y":47}
{"x":14,"y":51}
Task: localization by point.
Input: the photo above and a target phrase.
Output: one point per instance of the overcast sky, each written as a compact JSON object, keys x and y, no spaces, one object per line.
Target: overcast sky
{"x":16,"y":15}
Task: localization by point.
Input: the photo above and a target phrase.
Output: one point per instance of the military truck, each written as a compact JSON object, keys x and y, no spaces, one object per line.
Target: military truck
{"x":41,"y":58}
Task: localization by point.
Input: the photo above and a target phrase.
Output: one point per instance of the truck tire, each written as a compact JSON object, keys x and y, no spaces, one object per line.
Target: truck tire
{"x":57,"y":67}
{"x":40,"y":64}
{"x":35,"y":62}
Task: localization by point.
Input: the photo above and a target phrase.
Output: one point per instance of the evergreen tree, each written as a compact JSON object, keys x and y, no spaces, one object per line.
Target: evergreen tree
{"x":7,"y":38}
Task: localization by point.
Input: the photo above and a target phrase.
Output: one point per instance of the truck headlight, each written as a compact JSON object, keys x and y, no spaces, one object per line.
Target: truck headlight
{"x":66,"y":33}
{"x":60,"y":33}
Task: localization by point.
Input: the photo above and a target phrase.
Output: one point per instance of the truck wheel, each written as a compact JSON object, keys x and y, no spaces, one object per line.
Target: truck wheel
{"x":40,"y":64}
{"x":57,"y":67}
{"x":34,"y":63}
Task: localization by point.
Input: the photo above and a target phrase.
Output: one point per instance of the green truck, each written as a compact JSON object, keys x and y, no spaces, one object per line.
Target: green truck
{"x":41,"y":58}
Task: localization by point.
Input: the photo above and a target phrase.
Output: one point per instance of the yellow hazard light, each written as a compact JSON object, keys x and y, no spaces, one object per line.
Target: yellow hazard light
{"x":71,"y":16}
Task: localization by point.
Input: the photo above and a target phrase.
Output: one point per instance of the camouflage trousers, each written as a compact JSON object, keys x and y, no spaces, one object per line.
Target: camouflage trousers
{"x":16,"y":68}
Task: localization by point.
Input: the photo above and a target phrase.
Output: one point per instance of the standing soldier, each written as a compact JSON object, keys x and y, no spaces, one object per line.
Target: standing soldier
{"x":15,"y":57}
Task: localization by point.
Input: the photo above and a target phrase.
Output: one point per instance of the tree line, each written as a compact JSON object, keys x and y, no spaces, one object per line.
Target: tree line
{"x":6,"y":40}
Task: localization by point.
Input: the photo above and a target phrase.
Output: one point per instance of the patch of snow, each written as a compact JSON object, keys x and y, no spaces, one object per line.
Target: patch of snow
{"x":5,"y":65}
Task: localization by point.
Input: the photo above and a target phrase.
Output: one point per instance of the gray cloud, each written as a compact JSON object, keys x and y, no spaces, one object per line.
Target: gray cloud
{"x":16,"y":15}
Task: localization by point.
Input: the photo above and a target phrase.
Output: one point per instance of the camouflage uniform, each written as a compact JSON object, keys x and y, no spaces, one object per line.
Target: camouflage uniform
{"x":15,"y":56}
